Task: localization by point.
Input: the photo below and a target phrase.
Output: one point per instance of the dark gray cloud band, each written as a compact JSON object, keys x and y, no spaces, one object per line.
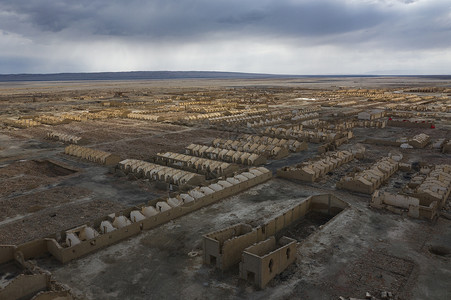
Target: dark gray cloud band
{"x":391,"y":25}
{"x":187,"y":19}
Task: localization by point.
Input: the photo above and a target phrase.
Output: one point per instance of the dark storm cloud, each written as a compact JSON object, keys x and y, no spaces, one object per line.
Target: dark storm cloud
{"x":318,"y":35}
{"x":199,"y":19}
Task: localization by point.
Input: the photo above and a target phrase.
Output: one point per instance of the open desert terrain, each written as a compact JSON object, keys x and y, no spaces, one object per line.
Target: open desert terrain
{"x":284,"y":188}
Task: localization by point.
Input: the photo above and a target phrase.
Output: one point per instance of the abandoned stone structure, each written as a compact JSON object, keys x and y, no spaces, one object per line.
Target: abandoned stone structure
{"x":314,"y":169}
{"x":367,"y":181}
{"x":66,"y":138}
{"x":420,"y":140}
{"x":225,"y":248}
{"x":36,"y":286}
{"x":231,"y":156}
{"x":261,"y":262}
{"x":160,"y":173}
{"x":436,"y":186}
{"x":202,"y":165}
{"x":93,"y":155}
{"x":399,"y":204}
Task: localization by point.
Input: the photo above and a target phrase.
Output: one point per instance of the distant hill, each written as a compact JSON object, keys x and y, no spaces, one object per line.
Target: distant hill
{"x":137,"y":75}
{"x":161,"y":75}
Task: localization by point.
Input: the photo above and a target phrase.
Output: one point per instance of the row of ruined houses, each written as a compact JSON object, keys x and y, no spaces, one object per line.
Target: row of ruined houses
{"x":235,"y":120}
{"x":201,"y":165}
{"x":266,"y":118}
{"x":21,"y":123}
{"x":161,"y":173}
{"x":118,"y":226}
{"x":203,"y":116}
{"x":147,"y":117}
{"x":93,"y":155}
{"x":227,"y":155}
{"x":290,"y":144}
{"x":344,"y":125}
{"x":314,"y":136}
{"x":63,"y":137}
{"x":275,"y":151}
{"x":264,"y":122}
{"x":226,"y":114}
{"x":367,"y":181}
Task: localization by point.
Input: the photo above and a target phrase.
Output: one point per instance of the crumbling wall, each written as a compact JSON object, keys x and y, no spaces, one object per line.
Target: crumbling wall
{"x":403,"y":204}
{"x":410,"y":123}
{"x":25,"y":286}
{"x":6,"y":253}
{"x":214,"y":242}
{"x":261,"y":262}
{"x":228,"y":253}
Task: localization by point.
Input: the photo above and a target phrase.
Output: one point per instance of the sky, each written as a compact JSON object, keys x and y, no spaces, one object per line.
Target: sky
{"x":300,"y":37}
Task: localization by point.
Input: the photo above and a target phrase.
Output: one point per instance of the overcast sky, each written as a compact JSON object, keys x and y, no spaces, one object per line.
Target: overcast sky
{"x":264,"y":36}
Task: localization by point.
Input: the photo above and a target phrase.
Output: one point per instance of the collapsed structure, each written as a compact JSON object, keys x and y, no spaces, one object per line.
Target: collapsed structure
{"x":367,"y":181}
{"x":261,"y":259}
{"x":424,"y":195}
{"x":312,"y":170}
